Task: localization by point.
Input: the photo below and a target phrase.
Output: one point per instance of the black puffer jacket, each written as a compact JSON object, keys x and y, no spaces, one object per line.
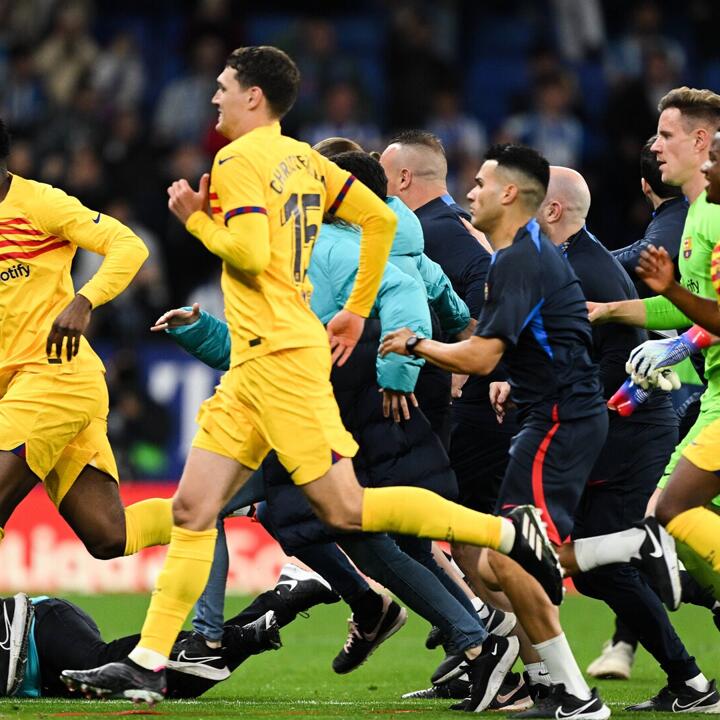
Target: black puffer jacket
{"x":405,"y":453}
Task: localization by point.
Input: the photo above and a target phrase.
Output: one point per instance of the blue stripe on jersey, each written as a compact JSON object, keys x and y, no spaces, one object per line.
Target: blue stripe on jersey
{"x":448,"y":199}
{"x":534,"y":229}
{"x":242,"y":210}
{"x":537,"y":328}
{"x":341,"y":195}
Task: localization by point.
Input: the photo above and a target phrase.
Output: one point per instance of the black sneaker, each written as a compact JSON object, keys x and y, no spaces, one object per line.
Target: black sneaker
{"x":360,"y":644}
{"x":716,"y":615}
{"x":534,"y":552}
{"x":435,"y":638}
{"x":255,"y":637}
{"x":17,"y":614}
{"x":455,"y":689}
{"x":496,"y":621}
{"x":302,"y":589}
{"x":558,"y":703}
{"x":513,"y":695}
{"x":124,"y":679}
{"x":487,"y":672}
{"x":682,"y":698}
{"x":193,"y":656}
{"x":452,"y":665}
{"x":658,"y":560}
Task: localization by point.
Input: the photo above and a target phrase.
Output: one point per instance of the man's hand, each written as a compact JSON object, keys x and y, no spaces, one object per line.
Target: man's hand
{"x":177,"y":318}
{"x":344,"y":331}
{"x":457,"y":384}
{"x":397,"y":402}
{"x":656,"y":269}
{"x":184,"y":201}
{"x":500,"y":399}
{"x":598,"y":312}
{"x":70,"y":324}
{"x":478,"y":235}
{"x":394,"y":342}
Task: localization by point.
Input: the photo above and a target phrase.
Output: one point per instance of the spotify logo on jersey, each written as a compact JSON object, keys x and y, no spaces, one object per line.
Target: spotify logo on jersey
{"x":15,"y":272}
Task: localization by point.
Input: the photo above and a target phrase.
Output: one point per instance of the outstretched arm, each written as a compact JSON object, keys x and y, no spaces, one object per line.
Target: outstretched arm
{"x":475,"y":356}
{"x":657,"y":271}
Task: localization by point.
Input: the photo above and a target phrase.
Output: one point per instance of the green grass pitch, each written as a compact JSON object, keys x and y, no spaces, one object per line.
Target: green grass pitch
{"x":297,"y":680}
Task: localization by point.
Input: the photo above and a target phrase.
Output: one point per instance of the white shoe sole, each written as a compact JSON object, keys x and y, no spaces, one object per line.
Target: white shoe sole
{"x":16,"y":633}
{"x":204,"y":671}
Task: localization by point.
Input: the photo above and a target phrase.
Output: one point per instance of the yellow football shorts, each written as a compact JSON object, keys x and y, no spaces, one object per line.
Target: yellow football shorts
{"x":704,"y":450}
{"x":282,"y":401}
{"x":61,"y":420}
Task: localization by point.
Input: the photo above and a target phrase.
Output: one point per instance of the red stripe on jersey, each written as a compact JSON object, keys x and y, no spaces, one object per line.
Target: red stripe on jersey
{"x":216,"y":210}
{"x":213,"y":196}
{"x":19,"y":220}
{"x":27,"y":243}
{"x":537,"y":481}
{"x":33,"y":253}
{"x":20,"y":231}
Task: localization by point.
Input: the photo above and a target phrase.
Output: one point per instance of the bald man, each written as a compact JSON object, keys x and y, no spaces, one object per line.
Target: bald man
{"x":416,"y":169}
{"x":631,"y":462}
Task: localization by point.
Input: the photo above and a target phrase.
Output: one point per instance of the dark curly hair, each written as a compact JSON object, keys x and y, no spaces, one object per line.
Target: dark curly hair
{"x":270,"y":69}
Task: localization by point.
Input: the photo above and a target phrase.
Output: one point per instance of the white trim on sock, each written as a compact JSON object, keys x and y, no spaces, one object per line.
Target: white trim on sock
{"x":538,"y":673}
{"x":699,"y":683}
{"x":149,"y":659}
{"x":507,"y":536}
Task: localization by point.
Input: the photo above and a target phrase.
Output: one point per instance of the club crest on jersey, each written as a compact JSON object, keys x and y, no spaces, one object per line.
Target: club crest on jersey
{"x":687,"y":247}
{"x":16,"y":271}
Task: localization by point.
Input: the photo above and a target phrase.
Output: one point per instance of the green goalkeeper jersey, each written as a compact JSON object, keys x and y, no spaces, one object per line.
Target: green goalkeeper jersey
{"x":700,"y":235}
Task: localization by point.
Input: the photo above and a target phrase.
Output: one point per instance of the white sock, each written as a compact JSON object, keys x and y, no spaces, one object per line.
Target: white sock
{"x":149,"y":659}
{"x":699,"y":683}
{"x":716,"y":606}
{"x":480,"y":607}
{"x":507,"y":536}
{"x":538,"y":673}
{"x":560,"y":662}
{"x":606,"y":549}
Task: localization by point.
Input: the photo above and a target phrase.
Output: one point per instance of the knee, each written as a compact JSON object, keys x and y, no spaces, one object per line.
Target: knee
{"x":193,"y":516}
{"x":106,"y":546}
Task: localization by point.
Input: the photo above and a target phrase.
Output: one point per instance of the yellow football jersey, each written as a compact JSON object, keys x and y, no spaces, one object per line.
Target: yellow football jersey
{"x":265,"y":173}
{"x":715,"y":270}
{"x":40,"y":229}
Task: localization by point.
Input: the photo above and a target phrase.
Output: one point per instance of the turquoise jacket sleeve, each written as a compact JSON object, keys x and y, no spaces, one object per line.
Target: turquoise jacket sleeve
{"x":207,"y":339}
{"x":400,"y":302}
{"x":450,"y":308}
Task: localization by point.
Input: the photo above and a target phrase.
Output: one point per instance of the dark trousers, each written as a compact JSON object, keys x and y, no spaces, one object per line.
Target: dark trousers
{"x":619,"y":488}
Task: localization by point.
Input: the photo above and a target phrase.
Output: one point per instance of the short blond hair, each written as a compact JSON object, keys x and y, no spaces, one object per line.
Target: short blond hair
{"x":699,"y":105}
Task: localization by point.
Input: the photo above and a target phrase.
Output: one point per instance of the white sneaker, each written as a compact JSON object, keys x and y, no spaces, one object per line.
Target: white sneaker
{"x":614,"y":663}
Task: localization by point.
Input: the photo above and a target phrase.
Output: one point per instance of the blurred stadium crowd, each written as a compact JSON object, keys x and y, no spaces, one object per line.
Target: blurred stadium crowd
{"x":111,"y":102}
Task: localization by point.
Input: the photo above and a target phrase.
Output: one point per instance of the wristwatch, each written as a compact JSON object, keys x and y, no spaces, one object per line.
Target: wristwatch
{"x":411,"y":342}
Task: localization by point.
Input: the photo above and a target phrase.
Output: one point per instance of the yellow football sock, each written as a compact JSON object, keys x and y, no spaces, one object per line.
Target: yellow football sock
{"x":177,"y":588}
{"x":699,"y":528}
{"x":147,"y":523}
{"x":419,"y":512}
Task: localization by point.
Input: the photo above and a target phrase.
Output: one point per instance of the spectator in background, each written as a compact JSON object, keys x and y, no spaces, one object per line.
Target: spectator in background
{"x":415,"y":67}
{"x":625,"y":58}
{"x":580,"y":28}
{"x":118,"y":75}
{"x":549,"y":126}
{"x":138,"y":427}
{"x":22,"y":159}
{"x":66,"y":58}
{"x":462,"y":136}
{"x":22,"y":100}
{"x":183,"y":112}
{"x":85,"y":177}
{"x":188,"y":261}
{"x":342,"y":118}
{"x":21,"y":23}
{"x":144,"y":299}
{"x":313,"y":44}
{"x":216,"y":18}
